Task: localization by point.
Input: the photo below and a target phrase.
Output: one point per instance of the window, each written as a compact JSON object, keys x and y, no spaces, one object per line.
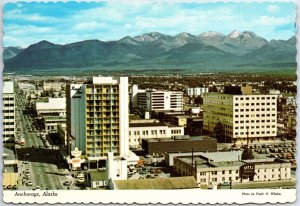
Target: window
{"x":202,"y":180}
{"x":202,"y":173}
{"x":214,"y":179}
{"x":223,"y":172}
{"x":214,"y":172}
{"x":230,"y":171}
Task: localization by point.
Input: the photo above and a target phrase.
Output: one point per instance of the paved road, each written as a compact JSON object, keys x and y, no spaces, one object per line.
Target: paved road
{"x":42,"y":167}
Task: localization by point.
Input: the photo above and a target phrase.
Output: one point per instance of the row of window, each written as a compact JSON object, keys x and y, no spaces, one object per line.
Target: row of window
{"x":237,"y":171}
{"x":257,"y":127}
{"x":255,"y":121}
{"x":253,"y":98}
{"x":273,"y":176}
{"x":257,"y":109}
{"x":252,"y":104}
{"x":146,"y":132}
{"x":257,"y":132}
{"x":223,"y":172}
{"x":254,"y":115}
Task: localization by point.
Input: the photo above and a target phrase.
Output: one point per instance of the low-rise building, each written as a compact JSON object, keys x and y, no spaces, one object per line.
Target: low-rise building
{"x":151,"y":128}
{"x":54,"y":106}
{"x":98,"y":179}
{"x":51,"y":122}
{"x":227,"y":167}
{"x":179,"y":144}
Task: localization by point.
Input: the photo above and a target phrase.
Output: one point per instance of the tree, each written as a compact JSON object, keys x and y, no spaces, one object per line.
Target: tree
{"x":247,"y":154}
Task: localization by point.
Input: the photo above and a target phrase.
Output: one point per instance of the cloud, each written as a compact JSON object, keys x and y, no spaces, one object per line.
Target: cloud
{"x":112,"y":21}
{"x":18,"y":14}
{"x":273,"y":8}
{"x":274,"y":21}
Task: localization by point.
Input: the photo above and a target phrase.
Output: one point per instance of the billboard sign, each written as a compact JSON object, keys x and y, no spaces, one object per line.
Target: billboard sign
{"x":247,"y":170}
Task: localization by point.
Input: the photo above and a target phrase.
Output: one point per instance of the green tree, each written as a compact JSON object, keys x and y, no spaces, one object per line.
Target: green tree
{"x":247,"y":154}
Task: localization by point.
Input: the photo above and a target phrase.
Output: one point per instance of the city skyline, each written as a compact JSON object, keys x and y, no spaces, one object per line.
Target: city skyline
{"x":63,"y":23}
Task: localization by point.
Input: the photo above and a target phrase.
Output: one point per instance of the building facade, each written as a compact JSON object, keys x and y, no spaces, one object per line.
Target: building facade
{"x":197,"y":91}
{"x":213,"y":172}
{"x":179,"y":144}
{"x":8,"y":110}
{"x":97,"y":116}
{"x":145,"y":129}
{"x":241,"y":116}
{"x":153,"y":100}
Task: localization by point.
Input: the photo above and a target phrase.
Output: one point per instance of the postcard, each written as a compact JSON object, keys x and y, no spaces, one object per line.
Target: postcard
{"x":149,"y":102}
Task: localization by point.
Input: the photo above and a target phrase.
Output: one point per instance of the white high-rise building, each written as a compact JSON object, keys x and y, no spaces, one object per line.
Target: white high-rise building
{"x":254,"y":116}
{"x":8,"y":114}
{"x":97,"y":116}
{"x":198,"y":91}
{"x":153,"y":100}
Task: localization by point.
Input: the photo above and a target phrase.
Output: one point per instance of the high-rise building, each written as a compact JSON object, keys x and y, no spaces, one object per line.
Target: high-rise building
{"x":97,"y":116}
{"x":241,"y":116}
{"x":197,"y":91}
{"x":154,"y":100}
{"x":8,"y":114}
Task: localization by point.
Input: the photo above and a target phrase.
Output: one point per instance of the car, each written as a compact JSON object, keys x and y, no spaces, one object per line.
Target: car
{"x":37,"y":188}
{"x":67,"y":183}
{"x":29,"y":183}
{"x":25,"y":162}
{"x":80,"y":180}
{"x":148,"y":156}
{"x":80,"y":175}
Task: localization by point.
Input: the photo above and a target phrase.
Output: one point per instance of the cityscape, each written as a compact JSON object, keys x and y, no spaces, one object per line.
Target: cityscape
{"x":105,"y":101}
{"x":149,"y":132}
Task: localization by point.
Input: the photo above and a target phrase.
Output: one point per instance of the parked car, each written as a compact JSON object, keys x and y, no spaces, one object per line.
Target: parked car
{"x":29,"y":183}
{"x":67,"y":183}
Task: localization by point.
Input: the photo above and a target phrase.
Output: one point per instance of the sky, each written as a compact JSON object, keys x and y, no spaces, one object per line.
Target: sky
{"x":63,"y":23}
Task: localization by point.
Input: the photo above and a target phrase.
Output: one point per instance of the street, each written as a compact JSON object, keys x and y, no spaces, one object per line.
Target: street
{"x":39,"y":167}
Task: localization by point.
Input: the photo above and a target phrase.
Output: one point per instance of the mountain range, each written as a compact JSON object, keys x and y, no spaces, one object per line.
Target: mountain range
{"x":209,"y":51}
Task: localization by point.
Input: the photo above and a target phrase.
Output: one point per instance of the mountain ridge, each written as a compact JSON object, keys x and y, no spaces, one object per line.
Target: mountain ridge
{"x":157,"y":50}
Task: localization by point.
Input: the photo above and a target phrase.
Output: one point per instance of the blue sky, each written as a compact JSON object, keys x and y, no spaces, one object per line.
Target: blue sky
{"x":62,"y":23}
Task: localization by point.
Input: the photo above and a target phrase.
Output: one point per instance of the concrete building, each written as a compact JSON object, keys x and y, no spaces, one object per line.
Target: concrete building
{"x":197,"y":91}
{"x":8,"y":110}
{"x":54,"y":106}
{"x":52,"y":86}
{"x":226,"y":167}
{"x":97,"y":116}
{"x":151,"y":128}
{"x":153,"y":100}
{"x":51,"y":122}
{"x":241,"y":116}
{"x":179,"y":144}
{"x":62,"y":132}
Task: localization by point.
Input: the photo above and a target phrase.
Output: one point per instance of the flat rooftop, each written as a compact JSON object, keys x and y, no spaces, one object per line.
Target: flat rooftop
{"x":228,"y":156}
{"x":180,"y":138}
{"x":8,"y":87}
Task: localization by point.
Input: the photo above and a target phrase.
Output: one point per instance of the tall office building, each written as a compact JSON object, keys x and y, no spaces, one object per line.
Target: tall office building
{"x":97,"y":116}
{"x":8,"y":114}
{"x":242,"y":116}
{"x":197,"y":91}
